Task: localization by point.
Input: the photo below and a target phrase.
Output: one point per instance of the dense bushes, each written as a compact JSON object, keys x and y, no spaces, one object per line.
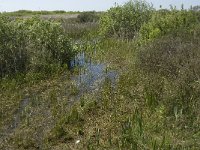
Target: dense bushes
{"x":165,"y":22}
{"x":125,"y":21}
{"x":12,"y":48}
{"x":32,"y":45}
{"x":138,"y":17}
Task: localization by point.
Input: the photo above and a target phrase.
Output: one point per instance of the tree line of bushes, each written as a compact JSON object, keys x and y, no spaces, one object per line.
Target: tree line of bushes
{"x":20,"y":13}
{"x":139,"y":19}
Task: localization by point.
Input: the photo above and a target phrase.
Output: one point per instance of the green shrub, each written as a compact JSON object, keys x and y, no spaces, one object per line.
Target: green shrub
{"x":32,"y":45}
{"x":13,"y":51}
{"x":165,"y":22}
{"x":50,"y":44}
{"x":125,"y":21}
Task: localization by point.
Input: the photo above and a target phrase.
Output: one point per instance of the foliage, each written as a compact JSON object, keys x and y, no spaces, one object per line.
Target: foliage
{"x":13,"y":48}
{"x":125,"y":21}
{"x":32,"y":45}
{"x":165,"y":22}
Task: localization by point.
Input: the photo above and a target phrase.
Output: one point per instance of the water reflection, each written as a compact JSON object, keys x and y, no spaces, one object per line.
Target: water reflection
{"x":91,"y":74}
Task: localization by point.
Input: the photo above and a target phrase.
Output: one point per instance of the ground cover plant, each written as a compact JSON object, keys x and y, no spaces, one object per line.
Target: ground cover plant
{"x":152,"y":103}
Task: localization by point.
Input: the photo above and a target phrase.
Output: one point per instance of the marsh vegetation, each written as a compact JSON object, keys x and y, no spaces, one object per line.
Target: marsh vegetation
{"x":127,"y":78}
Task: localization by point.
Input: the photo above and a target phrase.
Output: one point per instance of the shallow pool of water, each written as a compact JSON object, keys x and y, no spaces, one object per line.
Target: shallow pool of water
{"x":91,"y":74}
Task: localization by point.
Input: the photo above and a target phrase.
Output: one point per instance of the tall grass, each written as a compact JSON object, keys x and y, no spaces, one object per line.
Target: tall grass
{"x":78,"y":30}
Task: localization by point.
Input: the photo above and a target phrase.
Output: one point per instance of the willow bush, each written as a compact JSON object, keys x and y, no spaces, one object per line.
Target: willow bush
{"x":32,"y":45}
{"x":13,"y":48}
{"x":125,"y":21}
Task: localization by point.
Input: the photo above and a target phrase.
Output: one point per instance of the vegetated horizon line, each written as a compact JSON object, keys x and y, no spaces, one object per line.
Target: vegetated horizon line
{"x":116,"y":4}
{"x":49,"y":11}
